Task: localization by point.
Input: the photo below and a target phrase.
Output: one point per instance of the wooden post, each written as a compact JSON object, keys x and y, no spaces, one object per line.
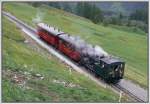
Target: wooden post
{"x":69,"y":70}
{"x":120,"y":96}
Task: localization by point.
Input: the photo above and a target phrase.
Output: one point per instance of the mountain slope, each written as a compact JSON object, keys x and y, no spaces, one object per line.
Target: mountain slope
{"x":125,"y":7}
{"x":131,"y":47}
{"x":31,"y":74}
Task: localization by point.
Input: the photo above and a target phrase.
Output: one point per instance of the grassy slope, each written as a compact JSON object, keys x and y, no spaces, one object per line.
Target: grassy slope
{"x":131,"y":47}
{"x":19,"y":56}
{"x":129,"y":29}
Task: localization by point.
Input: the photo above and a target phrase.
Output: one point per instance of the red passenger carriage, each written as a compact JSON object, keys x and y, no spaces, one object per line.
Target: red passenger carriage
{"x":58,"y":39}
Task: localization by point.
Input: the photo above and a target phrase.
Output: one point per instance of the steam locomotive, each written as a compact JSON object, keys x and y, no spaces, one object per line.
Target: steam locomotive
{"x":93,"y":58}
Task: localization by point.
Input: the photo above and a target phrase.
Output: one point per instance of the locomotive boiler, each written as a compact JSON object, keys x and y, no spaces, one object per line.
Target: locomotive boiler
{"x":93,"y":58}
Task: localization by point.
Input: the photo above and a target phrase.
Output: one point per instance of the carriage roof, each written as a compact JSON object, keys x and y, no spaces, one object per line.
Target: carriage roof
{"x":50,"y":29}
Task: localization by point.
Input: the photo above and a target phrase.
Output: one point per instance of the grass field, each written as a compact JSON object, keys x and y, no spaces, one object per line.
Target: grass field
{"x":130,"y":46}
{"x":26,"y":60}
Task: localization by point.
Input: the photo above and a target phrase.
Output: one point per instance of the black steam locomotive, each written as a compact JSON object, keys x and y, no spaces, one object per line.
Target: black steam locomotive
{"x":108,"y":68}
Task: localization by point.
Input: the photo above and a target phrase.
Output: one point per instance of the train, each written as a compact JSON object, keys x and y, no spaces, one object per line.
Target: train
{"x":93,"y":58}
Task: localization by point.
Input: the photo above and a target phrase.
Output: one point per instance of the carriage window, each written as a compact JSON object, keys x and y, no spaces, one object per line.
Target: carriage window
{"x":70,"y":46}
{"x":115,"y":67}
{"x":67,"y":45}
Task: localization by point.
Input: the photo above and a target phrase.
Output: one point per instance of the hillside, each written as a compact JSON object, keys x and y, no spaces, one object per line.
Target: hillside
{"x":110,"y":7}
{"x":125,"y":7}
{"x":131,"y":47}
{"x":31,"y":74}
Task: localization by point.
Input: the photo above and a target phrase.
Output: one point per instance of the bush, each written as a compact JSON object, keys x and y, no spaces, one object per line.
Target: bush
{"x":135,"y":29}
{"x":36,"y":4}
{"x":138,"y":24}
{"x":141,"y":25}
{"x":132,"y":23}
{"x":124,"y":22}
{"x":106,"y":21}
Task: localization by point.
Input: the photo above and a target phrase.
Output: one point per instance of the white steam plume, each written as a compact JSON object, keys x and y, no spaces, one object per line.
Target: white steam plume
{"x":85,"y":48}
{"x":99,"y":51}
{"x":39,"y":16}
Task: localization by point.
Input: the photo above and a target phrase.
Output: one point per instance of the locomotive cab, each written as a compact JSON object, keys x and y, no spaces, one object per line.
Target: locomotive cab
{"x":114,"y":69}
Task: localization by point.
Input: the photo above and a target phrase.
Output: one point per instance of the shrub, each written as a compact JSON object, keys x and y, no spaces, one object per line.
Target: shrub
{"x":106,"y":21}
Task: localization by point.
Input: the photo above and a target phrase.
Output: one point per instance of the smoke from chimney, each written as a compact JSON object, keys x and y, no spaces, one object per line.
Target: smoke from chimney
{"x":39,"y":16}
{"x":86,"y":48}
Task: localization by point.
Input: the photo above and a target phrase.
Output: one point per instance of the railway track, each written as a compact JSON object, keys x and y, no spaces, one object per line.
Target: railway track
{"x":117,"y":87}
{"x":135,"y":98}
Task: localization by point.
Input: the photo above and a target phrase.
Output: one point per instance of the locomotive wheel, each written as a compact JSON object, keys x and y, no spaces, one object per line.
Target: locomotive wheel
{"x":116,"y":81}
{"x":81,"y":63}
{"x":40,"y":37}
{"x":97,"y":76}
{"x":113,"y":81}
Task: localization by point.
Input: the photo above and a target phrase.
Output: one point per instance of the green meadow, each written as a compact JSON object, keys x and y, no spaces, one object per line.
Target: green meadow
{"x":26,"y":60}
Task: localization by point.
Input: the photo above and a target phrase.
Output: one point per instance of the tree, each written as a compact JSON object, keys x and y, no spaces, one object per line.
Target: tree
{"x":36,"y":4}
{"x":67,"y":7}
{"x":120,"y":16}
{"x":89,"y":11}
{"x":79,"y":8}
{"x":55,"y":4}
{"x":114,"y":20}
{"x":106,"y":21}
{"x":140,"y":14}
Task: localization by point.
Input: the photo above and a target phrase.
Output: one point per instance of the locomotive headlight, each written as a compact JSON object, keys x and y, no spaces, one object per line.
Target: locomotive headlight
{"x":102,"y":65}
